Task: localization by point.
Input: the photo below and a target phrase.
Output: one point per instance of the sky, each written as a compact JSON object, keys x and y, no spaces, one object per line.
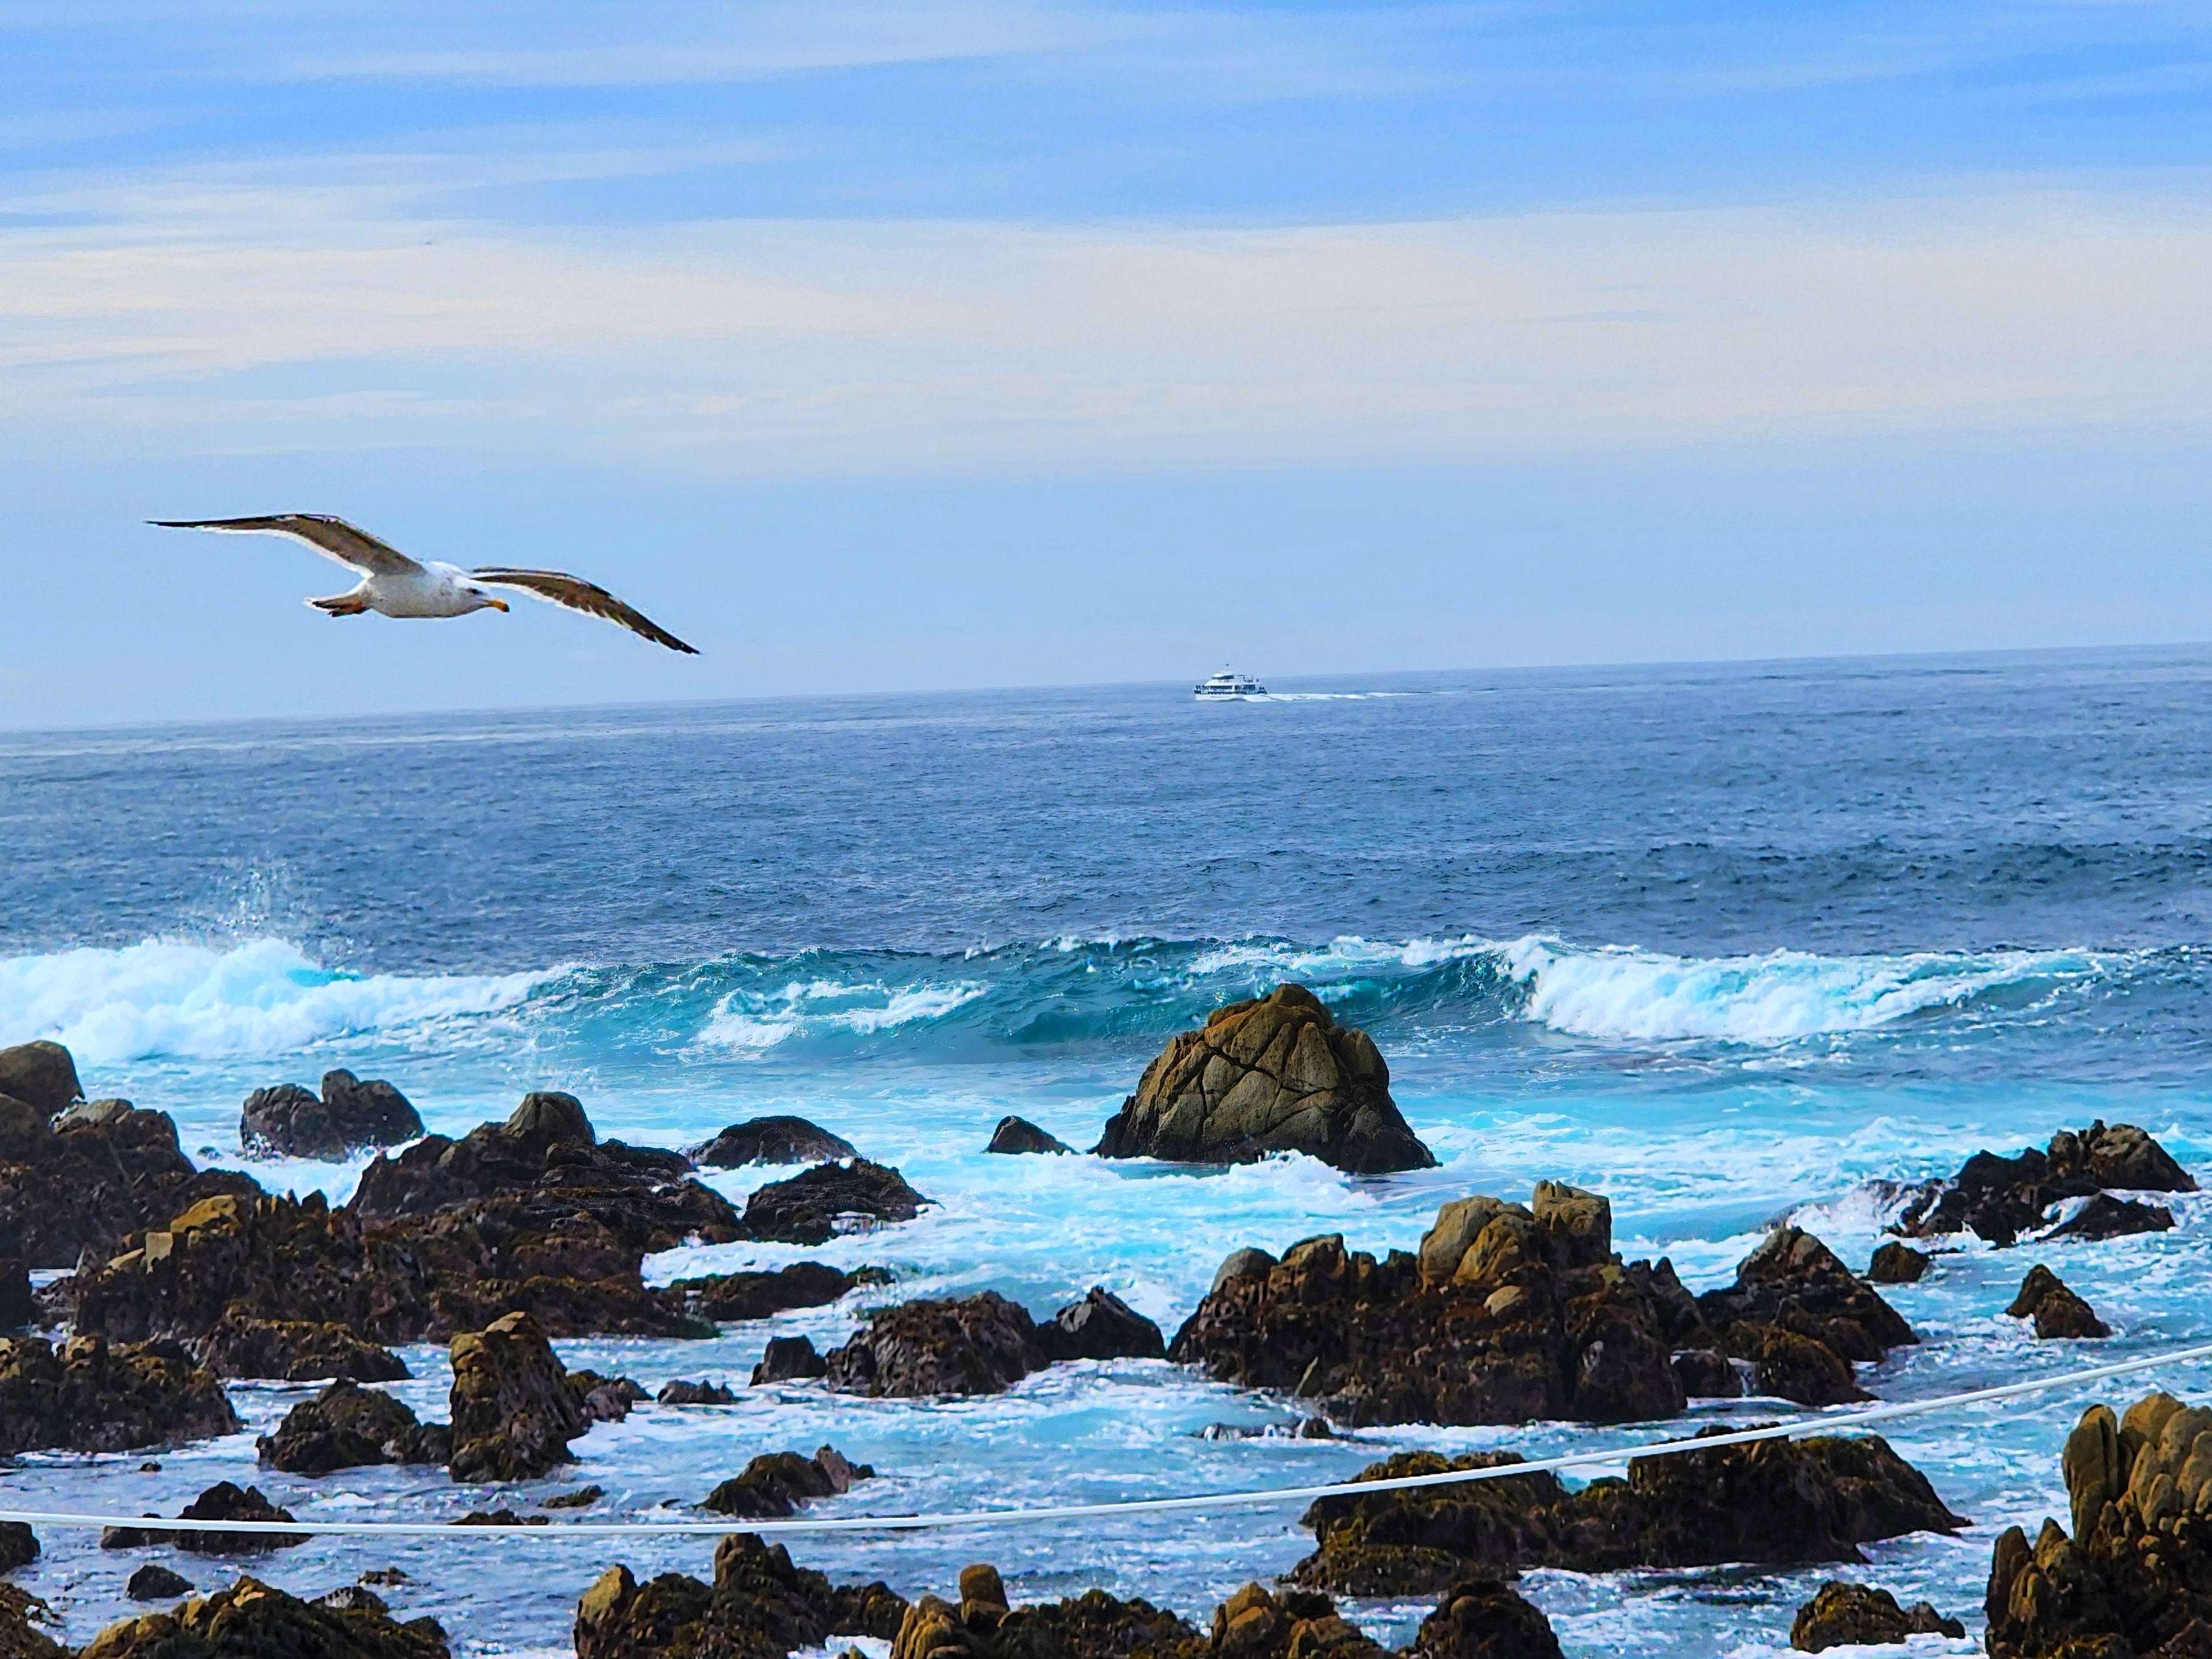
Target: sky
{"x":949,"y":344}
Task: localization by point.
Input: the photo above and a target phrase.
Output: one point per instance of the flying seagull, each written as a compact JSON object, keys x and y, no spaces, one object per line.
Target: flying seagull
{"x":394,"y":584}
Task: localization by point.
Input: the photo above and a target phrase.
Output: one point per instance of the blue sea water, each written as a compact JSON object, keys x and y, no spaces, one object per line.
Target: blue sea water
{"x":1726,"y":943}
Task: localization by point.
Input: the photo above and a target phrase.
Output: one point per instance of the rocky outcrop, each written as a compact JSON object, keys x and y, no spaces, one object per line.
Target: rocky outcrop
{"x":789,"y":1359}
{"x":2135,"y":1577}
{"x":1896,"y":1263}
{"x":154,"y":1583}
{"x":1275,"y":1075}
{"x":1483,"y":1619}
{"x":605,"y":1399}
{"x":287,"y":1122}
{"x":347,"y":1426}
{"x":816,"y":1204}
{"x":1508,"y":1313}
{"x":90,"y":1395}
{"x":1778,"y":1502}
{"x":2103,"y":1216}
{"x":2056,"y":1311}
{"x":223,"y":1501}
{"x":775,"y":1485}
{"x":759,"y":1607}
{"x":1707,"y":1374}
{"x":772,"y":1140}
{"x":1843,"y":1615}
{"x":981,"y":1344}
{"x":295,"y":1350}
{"x":679,"y":1392}
{"x":1092,"y":1625}
{"x":1999,"y":1198}
{"x":1801,"y":1318}
{"x":253,"y":1620}
{"x":41,"y":1075}
{"x":1016,"y":1135}
{"x":731,"y":1298}
{"x":1101,"y":1327}
{"x":513,"y":1412}
{"x":23,"y":1621}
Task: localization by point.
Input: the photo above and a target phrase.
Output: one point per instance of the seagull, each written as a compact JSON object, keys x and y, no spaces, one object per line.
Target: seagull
{"x":394,"y":584}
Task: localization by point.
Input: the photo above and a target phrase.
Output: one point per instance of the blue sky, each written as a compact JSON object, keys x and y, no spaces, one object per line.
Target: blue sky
{"x":938,"y":344}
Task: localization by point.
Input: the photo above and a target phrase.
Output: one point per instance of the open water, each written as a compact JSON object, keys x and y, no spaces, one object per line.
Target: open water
{"x":1725,"y":944}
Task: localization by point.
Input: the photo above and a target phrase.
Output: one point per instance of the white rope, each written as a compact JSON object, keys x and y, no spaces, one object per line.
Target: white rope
{"x":1828,"y":1424}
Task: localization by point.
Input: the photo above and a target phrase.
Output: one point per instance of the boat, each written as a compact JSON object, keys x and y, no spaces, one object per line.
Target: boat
{"x":1226,"y":687}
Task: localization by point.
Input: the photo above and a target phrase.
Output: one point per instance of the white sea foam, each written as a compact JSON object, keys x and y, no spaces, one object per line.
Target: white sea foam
{"x":755,"y":1020}
{"x":1347,"y":954}
{"x":1621,"y":993}
{"x":258,"y":996}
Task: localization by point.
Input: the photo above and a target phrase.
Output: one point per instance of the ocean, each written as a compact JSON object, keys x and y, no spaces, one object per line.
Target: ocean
{"x":1727,"y":944}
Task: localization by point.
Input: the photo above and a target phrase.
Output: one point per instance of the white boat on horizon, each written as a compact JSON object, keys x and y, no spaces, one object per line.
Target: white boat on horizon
{"x":1226,"y":687}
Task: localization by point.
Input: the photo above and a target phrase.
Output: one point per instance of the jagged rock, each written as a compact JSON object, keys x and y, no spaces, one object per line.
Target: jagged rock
{"x":1705,"y":1374}
{"x":2107,"y":1217}
{"x":1275,"y":1075}
{"x":1101,"y":1327}
{"x":1092,"y":1625}
{"x":1257,"y":1623}
{"x":251,"y":1620}
{"x":1483,"y":1619}
{"x":605,"y":1399}
{"x":789,"y":1359}
{"x":681,"y":1392}
{"x":772,"y":1140}
{"x":18,"y":1307}
{"x":1016,"y":1135}
{"x":19,"y":1546}
{"x":154,"y":1583}
{"x":1777,"y":1501}
{"x":1841,"y":1615}
{"x":760,"y":1607}
{"x":582,"y":1498}
{"x":1799,"y":1369}
{"x":2001,"y":1198}
{"x":89,"y":1395}
{"x":773,"y":1486}
{"x":1508,"y":1313}
{"x":348,"y":1426}
{"x":1802,"y":1317}
{"x":223,"y":1501}
{"x":20,"y":1615}
{"x":501,"y":1516}
{"x":514,"y":1412}
{"x":42,"y":1075}
{"x":1895,"y":1263}
{"x":296,"y":1351}
{"x":2056,"y":1310}
{"x":981,"y":1344}
{"x":729,"y":1297}
{"x":287,"y":1122}
{"x":815,"y":1205}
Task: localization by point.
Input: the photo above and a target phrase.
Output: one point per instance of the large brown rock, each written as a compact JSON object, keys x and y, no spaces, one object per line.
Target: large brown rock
{"x":2001,"y":1198}
{"x":287,"y":1122}
{"x":773,"y":1484}
{"x":23,"y":1621}
{"x":2058,"y":1311}
{"x":1483,"y":1619}
{"x":91,"y":1397}
{"x":514,"y":1410}
{"x":1275,"y":1075}
{"x":742,"y":1296}
{"x":295,"y":1350}
{"x":1507,"y":1315}
{"x":1781,"y":1502}
{"x":816,"y":1204}
{"x":253,"y":1620}
{"x":1803,"y":1318}
{"x":1842,"y":1614}
{"x":42,"y":1075}
{"x":347,"y":1426}
{"x":772,"y":1140}
{"x":981,"y":1344}
{"x":759,"y":1607}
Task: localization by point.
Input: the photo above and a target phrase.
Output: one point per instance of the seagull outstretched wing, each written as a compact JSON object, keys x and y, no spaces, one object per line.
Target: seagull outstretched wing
{"x":334,"y":538}
{"x":577,"y":594}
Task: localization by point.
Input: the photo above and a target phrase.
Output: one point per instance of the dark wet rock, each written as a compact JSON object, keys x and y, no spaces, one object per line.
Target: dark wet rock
{"x":773,"y":1486}
{"x":605,"y":1399}
{"x":287,"y":1122}
{"x":154,"y":1583}
{"x":729,"y":1297}
{"x":981,"y":1344}
{"x":1799,"y":1369}
{"x":1841,"y":1615}
{"x":1774,"y":1502}
{"x":1706,"y":1374}
{"x":22,"y":1616}
{"x":816,"y":1204}
{"x":1091,"y":1625}
{"x":296,"y":1351}
{"x":759,"y":1607}
{"x":42,"y":1075}
{"x":352,"y":1598}
{"x":1483,"y":1618}
{"x":1508,"y":1313}
{"x":1101,"y":1327}
{"x":772,"y":1140}
{"x":501,"y":1516}
{"x":2107,"y":1217}
{"x":789,"y":1359}
{"x":19,"y":1546}
{"x":1896,"y":1263}
{"x":90,"y":1395}
{"x":18,"y":1306}
{"x":1016,"y":1135}
{"x":347,"y":1426}
{"x":1274,"y":1075}
{"x":253,"y":1620}
{"x":514,"y":1412}
{"x":1260,"y":1623}
{"x":2000,"y":1198}
{"x":223,"y":1501}
{"x":2056,"y":1310}
{"x":1794,"y":1281}
{"x":681,"y":1392}
{"x":582,"y":1498}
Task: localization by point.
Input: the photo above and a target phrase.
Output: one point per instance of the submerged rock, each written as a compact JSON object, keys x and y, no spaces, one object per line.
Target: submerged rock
{"x":1778,"y":1501}
{"x":1896,"y":1263}
{"x":253,"y":1620}
{"x":1998,"y":1198}
{"x":1274,"y":1075}
{"x":1018,"y":1135}
{"x":728,"y":1297}
{"x":223,"y":1501}
{"x":154,"y":1583}
{"x":789,"y":1359}
{"x":759,"y":1607}
{"x":605,"y":1399}
{"x":1101,"y":1327}
{"x":513,"y":1412}
{"x":2106,"y":1217}
{"x":772,"y":1140}
{"x":775,"y":1485}
{"x":347,"y":1426}
{"x":681,"y":1392}
{"x":287,"y":1122}
{"x":296,"y":1351}
{"x":2056,"y":1311}
{"x":1841,"y":1615}
{"x":814,"y":1206}
{"x":89,"y":1395}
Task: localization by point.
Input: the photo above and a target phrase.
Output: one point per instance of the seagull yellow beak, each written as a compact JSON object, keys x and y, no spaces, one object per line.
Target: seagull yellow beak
{"x":498,"y":605}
